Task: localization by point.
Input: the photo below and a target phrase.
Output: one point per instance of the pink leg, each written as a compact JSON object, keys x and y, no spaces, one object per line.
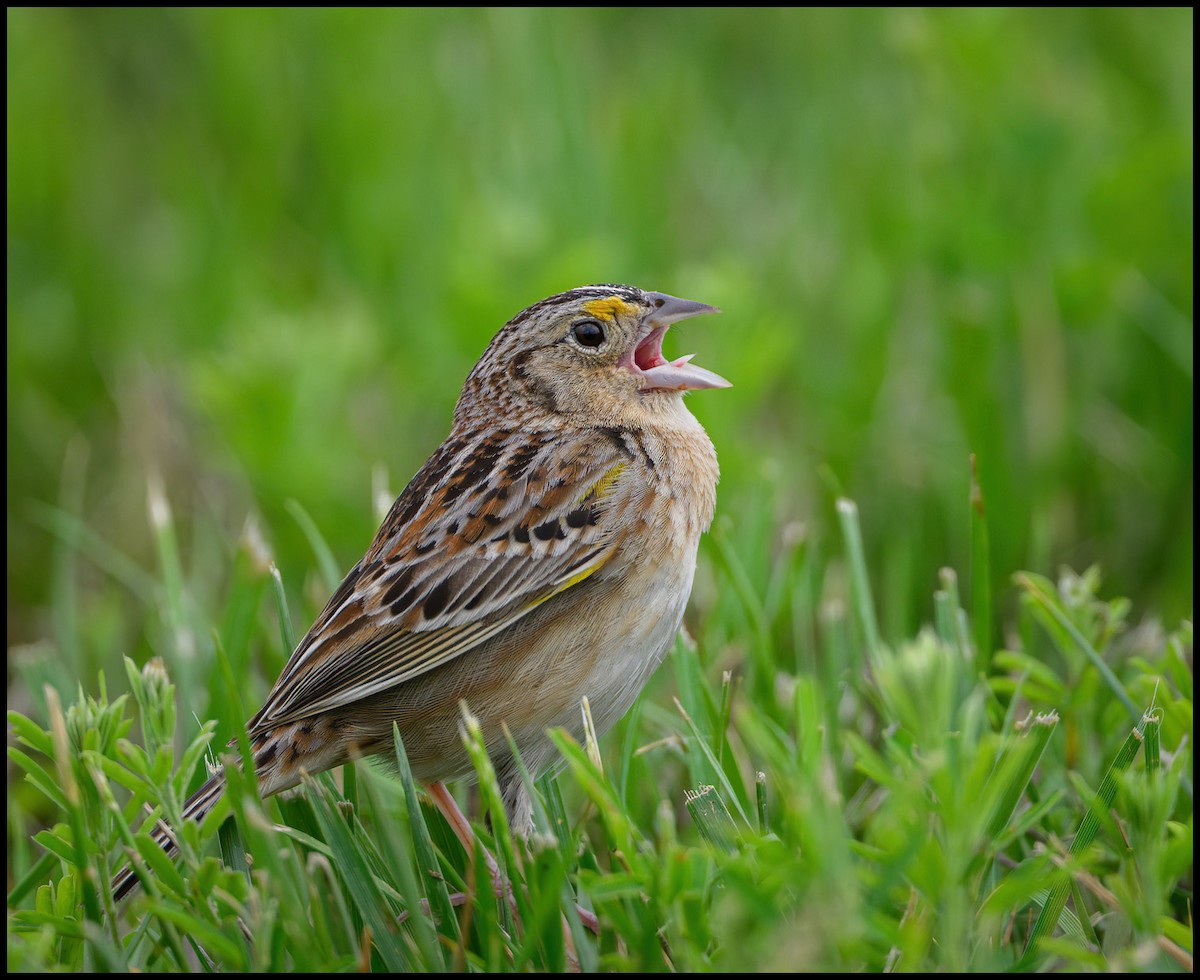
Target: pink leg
{"x":449,"y":809}
{"x":462,"y":829}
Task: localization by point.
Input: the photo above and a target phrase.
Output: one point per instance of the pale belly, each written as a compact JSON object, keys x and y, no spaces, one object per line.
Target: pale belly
{"x":625,"y":652}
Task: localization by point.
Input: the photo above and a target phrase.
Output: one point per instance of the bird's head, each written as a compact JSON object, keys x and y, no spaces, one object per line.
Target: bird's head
{"x":592,"y":354}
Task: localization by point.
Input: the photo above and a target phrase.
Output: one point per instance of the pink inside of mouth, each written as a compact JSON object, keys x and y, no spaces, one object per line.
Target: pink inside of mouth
{"x":648,"y":354}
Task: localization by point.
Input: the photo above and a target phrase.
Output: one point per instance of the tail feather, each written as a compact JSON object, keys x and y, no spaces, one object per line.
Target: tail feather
{"x":197,"y":807}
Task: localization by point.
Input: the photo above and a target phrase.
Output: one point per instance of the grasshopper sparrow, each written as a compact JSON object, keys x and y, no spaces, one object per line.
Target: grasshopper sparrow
{"x":544,"y":552}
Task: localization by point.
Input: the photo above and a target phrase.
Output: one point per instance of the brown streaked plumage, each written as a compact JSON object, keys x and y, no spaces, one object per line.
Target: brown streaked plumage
{"x":543,"y":553}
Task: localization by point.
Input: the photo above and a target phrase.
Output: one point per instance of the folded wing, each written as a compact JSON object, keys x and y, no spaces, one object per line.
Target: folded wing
{"x":491,"y":527}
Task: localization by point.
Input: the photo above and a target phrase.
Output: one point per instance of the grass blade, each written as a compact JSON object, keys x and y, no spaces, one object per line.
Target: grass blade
{"x":331,"y":573}
{"x":1015,"y":769}
{"x":286,"y":631}
{"x":1050,"y":607}
{"x":1088,"y":829}
{"x":860,"y":583}
{"x":712,"y":818}
{"x":981,"y":575}
{"x":364,"y":891}
{"x":436,"y":892}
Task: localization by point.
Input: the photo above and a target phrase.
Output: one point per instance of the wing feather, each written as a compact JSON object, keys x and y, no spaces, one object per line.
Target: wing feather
{"x":491,"y":527}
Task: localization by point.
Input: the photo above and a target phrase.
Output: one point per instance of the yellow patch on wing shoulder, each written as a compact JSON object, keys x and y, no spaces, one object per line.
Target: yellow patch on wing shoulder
{"x":585,"y":572}
{"x":601,"y":487}
{"x":608,"y":308}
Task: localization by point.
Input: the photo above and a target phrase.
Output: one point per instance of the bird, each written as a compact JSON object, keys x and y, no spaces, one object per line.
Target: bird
{"x":543,"y":553}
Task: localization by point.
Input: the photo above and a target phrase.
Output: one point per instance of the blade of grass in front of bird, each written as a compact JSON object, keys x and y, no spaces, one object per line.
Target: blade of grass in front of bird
{"x":436,"y":892}
{"x":541,"y":818}
{"x":620,"y":829}
{"x":259,"y":838}
{"x":233,"y":690}
{"x":516,"y":911}
{"x":628,"y":755}
{"x":162,"y":867}
{"x":359,"y":881}
{"x":547,"y":925}
{"x":711,"y":713}
{"x":689,"y":681}
{"x":561,"y":896}
{"x":489,"y":951}
{"x":575,"y":900}
{"x":542,"y":946}
{"x":233,"y":850}
{"x":398,"y":847}
{"x":241,"y":782}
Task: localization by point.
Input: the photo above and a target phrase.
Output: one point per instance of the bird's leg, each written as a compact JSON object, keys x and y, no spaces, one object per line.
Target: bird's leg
{"x":519,"y":808}
{"x":449,"y":809}
{"x":462,"y":830}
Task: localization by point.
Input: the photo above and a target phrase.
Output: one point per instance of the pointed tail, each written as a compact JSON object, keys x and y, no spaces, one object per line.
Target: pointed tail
{"x":197,"y":808}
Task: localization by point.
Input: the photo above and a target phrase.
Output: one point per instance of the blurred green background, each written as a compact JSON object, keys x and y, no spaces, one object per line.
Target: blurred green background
{"x":257,"y":251}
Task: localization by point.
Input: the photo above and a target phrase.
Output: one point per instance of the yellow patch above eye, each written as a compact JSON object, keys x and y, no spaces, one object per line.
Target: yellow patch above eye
{"x":608,"y":308}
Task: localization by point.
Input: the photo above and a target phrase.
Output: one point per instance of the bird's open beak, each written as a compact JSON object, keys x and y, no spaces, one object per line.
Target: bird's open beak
{"x":647,"y":359}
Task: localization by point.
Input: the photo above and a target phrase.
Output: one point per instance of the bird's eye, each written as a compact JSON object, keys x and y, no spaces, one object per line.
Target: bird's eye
{"x":589,"y":333}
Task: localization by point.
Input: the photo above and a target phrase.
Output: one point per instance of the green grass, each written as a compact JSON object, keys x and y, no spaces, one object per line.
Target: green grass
{"x":910,"y":813}
{"x":251,"y":256}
